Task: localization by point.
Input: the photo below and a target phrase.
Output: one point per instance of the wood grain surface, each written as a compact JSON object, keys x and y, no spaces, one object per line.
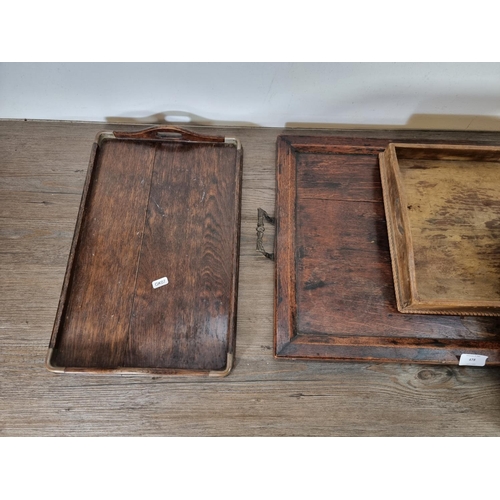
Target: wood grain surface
{"x":42,"y":173}
{"x":335,"y":292}
{"x":95,"y":317}
{"x":443,"y":213}
{"x":153,"y":206}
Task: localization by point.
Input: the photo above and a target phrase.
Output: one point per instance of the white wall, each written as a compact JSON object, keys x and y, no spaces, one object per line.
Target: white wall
{"x":422,"y":95}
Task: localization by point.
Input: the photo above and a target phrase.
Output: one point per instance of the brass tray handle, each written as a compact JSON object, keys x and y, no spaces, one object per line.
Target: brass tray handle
{"x":261,"y":216}
{"x":168,"y":132}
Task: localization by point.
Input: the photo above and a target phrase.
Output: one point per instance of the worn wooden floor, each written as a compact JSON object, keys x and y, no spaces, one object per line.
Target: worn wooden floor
{"x":42,"y":170}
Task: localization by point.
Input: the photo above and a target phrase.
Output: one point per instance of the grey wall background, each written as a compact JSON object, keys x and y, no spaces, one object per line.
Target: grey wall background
{"x":414,"y":95}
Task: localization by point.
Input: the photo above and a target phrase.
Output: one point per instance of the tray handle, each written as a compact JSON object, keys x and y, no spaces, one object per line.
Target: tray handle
{"x":168,"y":132}
{"x":261,"y":216}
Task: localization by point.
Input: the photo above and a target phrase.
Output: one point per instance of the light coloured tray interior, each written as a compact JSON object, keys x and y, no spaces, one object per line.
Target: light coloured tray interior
{"x":443,"y":214}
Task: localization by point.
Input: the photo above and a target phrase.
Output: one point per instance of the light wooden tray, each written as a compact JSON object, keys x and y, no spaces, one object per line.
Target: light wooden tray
{"x":442,"y":205}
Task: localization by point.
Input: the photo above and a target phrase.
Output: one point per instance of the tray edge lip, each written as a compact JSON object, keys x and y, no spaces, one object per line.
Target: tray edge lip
{"x":155,"y":372}
{"x":390,"y":230}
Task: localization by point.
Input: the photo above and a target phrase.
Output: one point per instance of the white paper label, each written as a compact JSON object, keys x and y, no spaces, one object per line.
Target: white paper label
{"x":472,"y":360}
{"x":161,"y":282}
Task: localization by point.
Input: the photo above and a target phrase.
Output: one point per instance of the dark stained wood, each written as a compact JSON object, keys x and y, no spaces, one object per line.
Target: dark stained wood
{"x":95,"y":308}
{"x":335,"y":295}
{"x":153,"y":209}
{"x":171,"y":133}
{"x":186,"y":323}
{"x":443,"y":212}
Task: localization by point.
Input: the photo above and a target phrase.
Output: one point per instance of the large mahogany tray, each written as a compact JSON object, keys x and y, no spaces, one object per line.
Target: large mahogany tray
{"x":335,"y":297}
{"x":160,"y":203}
{"x":442,"y":204}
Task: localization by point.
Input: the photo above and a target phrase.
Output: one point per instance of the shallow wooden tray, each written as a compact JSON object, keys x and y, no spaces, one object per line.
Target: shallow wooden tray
{"x":442,"y":204}
{"x":334,"y":297}
{"x":160,"y":203}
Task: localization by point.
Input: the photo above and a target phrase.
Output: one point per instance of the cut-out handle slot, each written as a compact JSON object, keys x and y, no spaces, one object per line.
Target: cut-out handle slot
{"x":167,"y":135}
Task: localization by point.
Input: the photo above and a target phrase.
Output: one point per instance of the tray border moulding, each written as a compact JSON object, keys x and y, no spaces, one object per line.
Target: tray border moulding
{"x":442,"y":205}
{"x":334,"y":287}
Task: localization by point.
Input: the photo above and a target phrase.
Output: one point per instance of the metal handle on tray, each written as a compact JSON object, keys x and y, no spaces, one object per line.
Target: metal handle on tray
{"x":261,"y":216}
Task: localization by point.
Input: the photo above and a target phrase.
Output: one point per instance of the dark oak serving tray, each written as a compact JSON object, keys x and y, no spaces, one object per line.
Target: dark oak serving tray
{"x":442,"y":204}
{"x":334,"y":297}
{"x":159,"y":203}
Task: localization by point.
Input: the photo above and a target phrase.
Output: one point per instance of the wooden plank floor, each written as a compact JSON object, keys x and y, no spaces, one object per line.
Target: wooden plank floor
{"x":42,"y":171}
